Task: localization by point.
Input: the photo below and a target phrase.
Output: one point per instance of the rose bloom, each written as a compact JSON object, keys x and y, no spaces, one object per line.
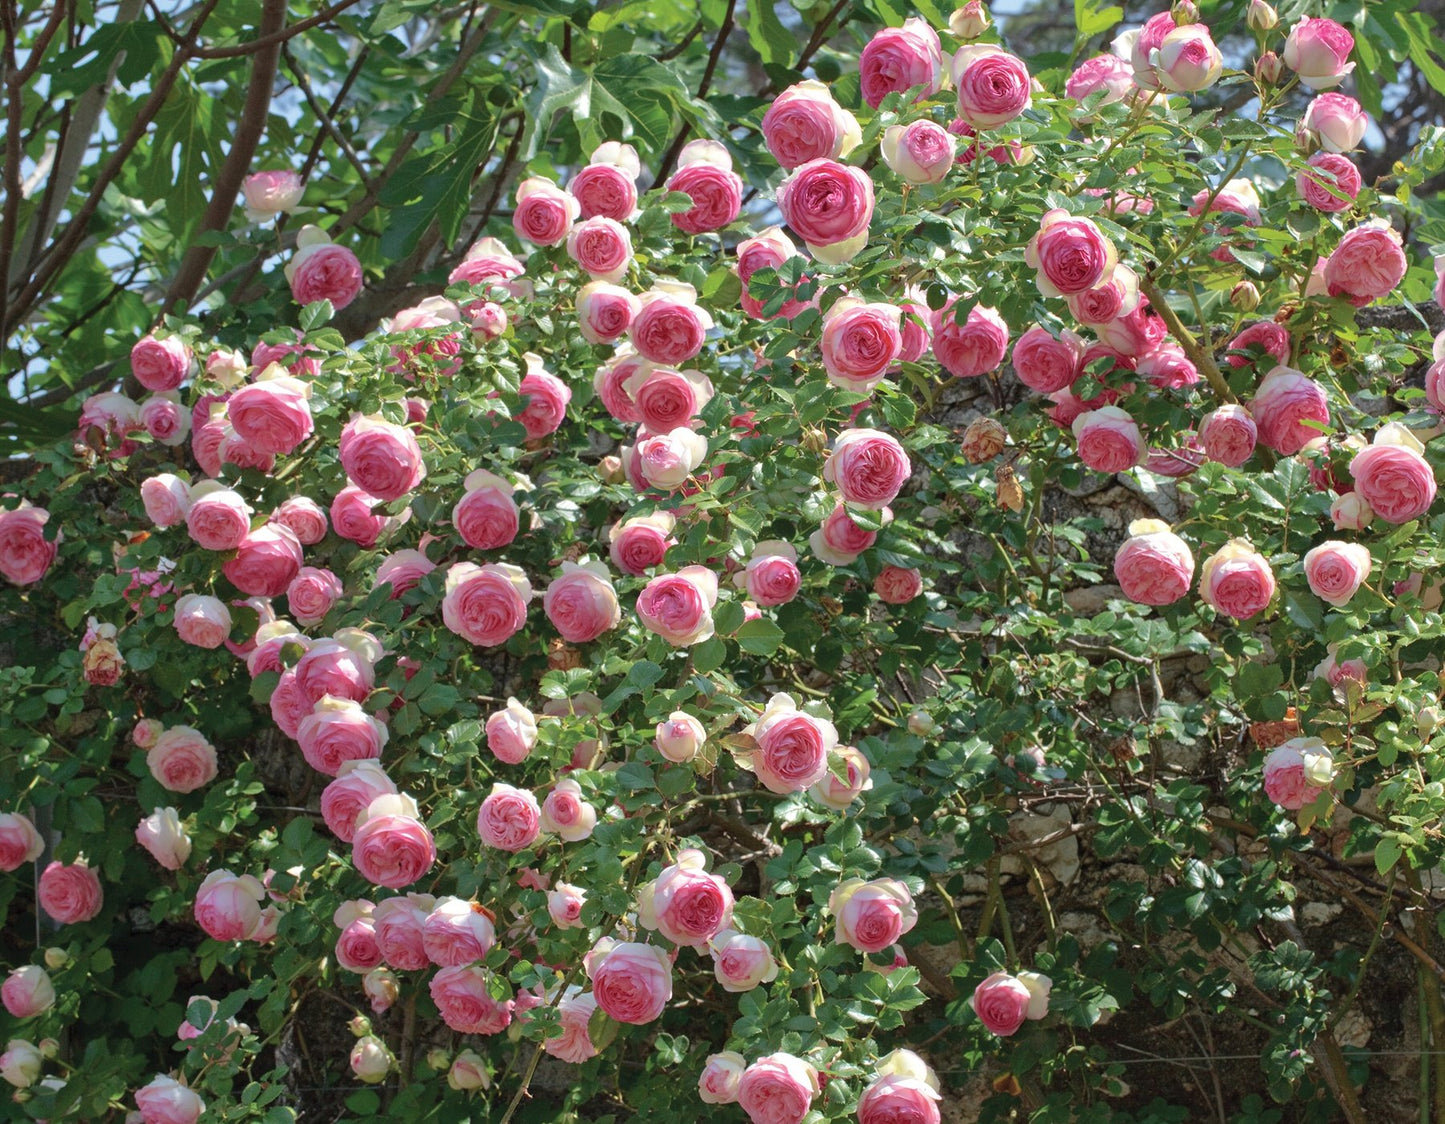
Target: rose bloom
{"x":464,"y":999}
{"x":680,"y":737}
{"x":1350,"y":512}
{"x":1109,"y":73}
{"x":1284,"y":404}
{"x":165,"y":420}
{"x":838,"y":794}
{"x":870,"y":916}
{"x":202,"y":621}
{"x":666,"y":460}
{"x":1045,"y":363}
{"x":829,"y":206}
{"x":792,"y":746}
{"x":891,"y":1099}
{"x":610,"y":380}
{"x":21,"y":1063}
{"x":1002,"y":1003}
{"x":767,"y":250}
{"x":667,"y":399}
{"x":574,"y":1013}
{"x":27,"y":992}
{"x":20,"y":843}
{"x":705,"y":174}
{"x":1395,"y":480}
{"x":741,"y":963}
{"x":228,"y":907}
{"x":869,"y":467}
{"x":182,"y":760}
{"x":1070,"y":254}
{"x":1337,"y":122}
{"x":1335,"y":570}
{"x":605,"y":311}
{"x":511,"y":733}
{"x":839,"y":540}
{"x":266,"y":562}
{"x":1319,"y":191}
{"x":975,"y":347}
{"x":608,"y":185}
{"x":166,"y":1101}
{"x":382,"y":459}
{"x":686,"y":904}
{"x":1297,"y":771}
{"x":565,"y":813}
{"x":338,"y":731}
{"x":546,"y":398}
{"x":919,"y":152}
{"x":897,"y":59}
{"x":321,"y":270}
{"x":631,"y":982}
{"x":897,"y":585}
{"x":304,"y":517}
{"x":1109,"y":440}
{"x":352,"y":517}
{"x":161,"y":364}
{"x":458,"y":932}
{"x":357,"y":784}
{"x":509,"y":818}
{"x":486,"y":516}
{"x":311,"y":594}
{"x":720,"y":1077}
{"x":1368,"y":264}
{"x":670,"y":326}
{"x":860,"y":343}
{"x":392,"y":847}
{"x":1153,"y":565}
{"x":544,"y":212}
{"x":1318,"y":50}
{"x":805,"y":123}
{"x":1236,"y":580}
{"x":1188,"y":60}
{"x":399,"y":924}
{"x":218,"y":518}
{"x":678,"y":607}
{"x":273,"y":414}
{"x":329,"y":667}
{"x":113,"y":416}
{"x":1167,"y":366}
{"x":602,"y":247}
{"x":581,"y":603}
{"x":1228,"y":435}
{"x":356,"y":949}
{"x":640,"y":543}
{"x":992,"y":85}
{"x":1108,"y":301}
{"x":486,"y":605}
{"x":778,"y":1089}
{"x":771,"y":576}
{"x":298,"y":358}
{"x":161,"y":834}
{"x":167,"y":499}
{"x":1272,"y":337}
{"x":268,"y":194}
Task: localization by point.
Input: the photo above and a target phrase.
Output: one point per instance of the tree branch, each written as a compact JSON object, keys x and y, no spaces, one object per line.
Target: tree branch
{"x":275,"y":37}
{"x":1199,"y":355}
{"x":669,"y":158}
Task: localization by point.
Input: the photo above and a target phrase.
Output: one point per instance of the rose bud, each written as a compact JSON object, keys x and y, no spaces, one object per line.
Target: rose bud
{"x":1245,"y":296}
{"x":371,"y":1061}
{"x":969,"y":21}
{"x":1261,"y":16}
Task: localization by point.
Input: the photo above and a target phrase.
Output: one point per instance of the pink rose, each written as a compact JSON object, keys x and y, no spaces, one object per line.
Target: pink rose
{"x":668,"y":399}
{"x":602,"y":247}
{"x":975,"y":347}
{"x":665,"y":460}
{"x":631,"y":982}
{"x":611,"y":379}
{"x":1167,"y":366}
{"x":680,"y":737}
{"x":869,"y":467}
{"x":400,"y":927}
{"x":574,"y":1013}
{"x":544,"y":212}
{"x":640,"y":543}
{"x":566,"y":814}
{"x":163,"y":836}
{"x":338,"y":731}
{"x":166,"y":1101}
{"x":266,"y":562}
{"x":1266,"y":334}
{"x":392,"y":847}
{"x":1296,"y":772}
{"x":919,"y":152}
{"x":202,"y":621}
{"x":897,"y":59}
{"x":1335,"y":570}
{"x":839,"y":540}
{"x":165,"y":420}
{"x":838,"y":794}
{"x":218,"y":518}
{"x":705,"y":174}
{"x":167,"y":499}
{"x":488,"y":320}
{"x":273,"y":415}
{"x":267,"y":194}
{"x":112,"y":416}
{"x":161,"y":364}
{"x":1284,"y":406}
{"x":740,"y":962}
{"x":1336,"y":121}
{"x":320,"y":270}
{"x":1350,"y":512}
{"x":311,"y":594}
{"x":917,"y":328}
{"x":564,"y":905}
{"x":1109,"y":73}
{"x":1188,"y":60}
{"x":458,"y":932}
{"x":1318,"y":50}
{"x":228,"y":907}
{"x":1112,"y":299}
{"x":330,"y":667}
{"x":27,"y":992}
{"x":805,"y":123}
{"x":897,"y":585}
{"x":511,"y":733}
{"x":182,"y":760}
{"x":778,"y":1089}
{"x":1368,"y":263}
{"x":670,"y":326}
{"x":1236,"y":580}
{"x":1153,"y":565}
{"x":356,"y":947}
{"x":792,"y":746}
{"x":767,"y":250}
{"x":829,"y":206}
{"x":352,"y":517}
{"x":546,"y":398}
{"x":993,"y":85}
{"x":304,"y":517}
{"x":1001,"y":1003}
{"x":720,"y":1077}
{"x":678,"y":607}
{"x":486,"y":516}
{"x":300,"y":359}
{"x":382,"y":459}
{"x":1396,"y":481}
{"x":1045,"y":363}
{"x":509,"y":818}
{"x":1071,"y":255}
{"x":871,"y":916}
{"x":357,"y":784}
{"x":771,"y":576}
{"x":605,"y":312}
{"x":463,"y":996}
{"x":895,"y":1099}
{"x":486,"y":605}
{"x":490,"y":263}
{"x":607,"y":189}
{"x":20,"y":843}
{"x":581,"y":603}
{"x":686,"y":904}
{"x":1228,"y":435}
{"x":1109,"y":440}
{"x":288,"y":705}
{"x":860,"y":343}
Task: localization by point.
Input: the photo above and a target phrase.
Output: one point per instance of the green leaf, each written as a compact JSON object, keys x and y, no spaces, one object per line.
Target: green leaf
{"x":772,"y":41}
{"x":760,"y":637}
{"x":1090,"y":19}
{"x":1387,"y":853}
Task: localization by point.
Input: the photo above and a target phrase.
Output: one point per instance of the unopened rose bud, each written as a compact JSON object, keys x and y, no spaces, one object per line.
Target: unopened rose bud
{"x":1427,"y":720}
{"x":1268,"y":68}
{"x":468,"y":1072}
{"x":921,"y":723}
{"x":359,"y":1026}
{"x":226,"y":367}
{"x":1184,"y":12}
{"x":610,"y":469}
{"x":371,"y":1061}
{"x":815,"y":440}
{"x":1261,"y":16}
{"x":56,"y":958}
{"x":1245,"y":296}
{"x":1306,"y":140}
{"x":146,"y":731}
{"x":983,"y":440}
{"x":438,"y":1059}
{"x":970,"y":21}
{"x":489,"y":321}
{"x":49,"y":1048}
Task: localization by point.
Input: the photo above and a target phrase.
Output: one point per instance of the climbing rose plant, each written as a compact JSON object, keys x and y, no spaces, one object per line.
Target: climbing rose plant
{"x":630,"y":654}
